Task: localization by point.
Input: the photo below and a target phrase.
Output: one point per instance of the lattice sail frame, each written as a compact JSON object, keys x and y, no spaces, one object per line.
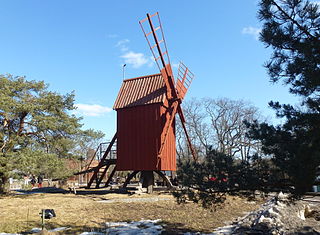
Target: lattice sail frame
{"x":158,"y":47}
{"x":175,"y":92}
{"x":184,"y":79}
{"x":157,"y":43}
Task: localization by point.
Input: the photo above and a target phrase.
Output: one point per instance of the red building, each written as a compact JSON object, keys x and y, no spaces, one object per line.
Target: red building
{"x":142,"y":110}
{"x":146,"y":107}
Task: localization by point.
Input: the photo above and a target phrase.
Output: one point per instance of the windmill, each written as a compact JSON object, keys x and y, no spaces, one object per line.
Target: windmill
{"x":146,"y":108}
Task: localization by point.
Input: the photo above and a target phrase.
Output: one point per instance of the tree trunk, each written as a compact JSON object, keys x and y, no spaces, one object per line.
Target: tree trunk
{"x":4,"y":184}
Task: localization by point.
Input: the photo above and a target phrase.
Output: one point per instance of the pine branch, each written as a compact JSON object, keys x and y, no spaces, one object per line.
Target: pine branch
{"x":294,"y":21}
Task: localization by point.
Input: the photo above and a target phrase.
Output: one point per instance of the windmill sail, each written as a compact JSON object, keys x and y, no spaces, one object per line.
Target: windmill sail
{"x":157,"y":43}
{"x":184,"y":79}
{"x":175,"y":91}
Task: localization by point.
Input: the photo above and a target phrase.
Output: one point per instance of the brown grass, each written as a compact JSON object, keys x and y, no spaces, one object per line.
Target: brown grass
{"x":86,"y":212}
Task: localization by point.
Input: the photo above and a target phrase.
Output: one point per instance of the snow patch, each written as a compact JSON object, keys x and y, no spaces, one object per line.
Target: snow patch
{"x":10,"y":234}
{"x":131,"y":228}
{"x":37,"y":230}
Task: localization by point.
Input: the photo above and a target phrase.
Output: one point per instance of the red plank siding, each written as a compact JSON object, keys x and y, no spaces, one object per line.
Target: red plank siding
{"x":140,"y":131}
{"x":141,"y":116}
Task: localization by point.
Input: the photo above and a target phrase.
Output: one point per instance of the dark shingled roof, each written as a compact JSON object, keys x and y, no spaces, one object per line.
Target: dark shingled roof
{"x":141,"y":91}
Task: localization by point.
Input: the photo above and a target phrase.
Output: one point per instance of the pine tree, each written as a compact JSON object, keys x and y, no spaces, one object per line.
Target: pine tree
{"x":37,"y":129}
{"x":209,"y":180}
{"x":292,"y":29}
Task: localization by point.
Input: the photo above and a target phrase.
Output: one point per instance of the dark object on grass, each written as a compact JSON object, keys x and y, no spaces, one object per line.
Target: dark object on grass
{"x":48,"y":213}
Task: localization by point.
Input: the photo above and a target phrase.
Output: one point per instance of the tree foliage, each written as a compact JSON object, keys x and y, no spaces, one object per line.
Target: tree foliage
{"x":32,"y":114}
{"x":38,"y":162}
{"x":292,"y":29}
{"x":37,"y":129}
{"x":210,"y":180}
{"x":229,"y":162}
{"x":86,"y":140}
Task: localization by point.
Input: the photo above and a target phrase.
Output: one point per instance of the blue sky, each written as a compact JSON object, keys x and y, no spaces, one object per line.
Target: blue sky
{"x":80,"y":46}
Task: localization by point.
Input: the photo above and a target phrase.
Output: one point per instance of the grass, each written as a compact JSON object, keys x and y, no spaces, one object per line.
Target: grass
{"x":86,"y":212}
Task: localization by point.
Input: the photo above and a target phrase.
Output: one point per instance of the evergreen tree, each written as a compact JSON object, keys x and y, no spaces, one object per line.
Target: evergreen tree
{"x":211,"y":179}
{"x":292,"y":29}
{"x":37,"y":130}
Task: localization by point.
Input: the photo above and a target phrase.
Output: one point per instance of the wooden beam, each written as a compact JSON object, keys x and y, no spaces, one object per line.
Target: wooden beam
{"x":102,"y":163}
{"x":186,"y":133}
{"x":111,"y":175}
{"x":102,"y":175}
{"x":166,"y":128}
{"x":165,"y":178}
{"x":133,"y":174}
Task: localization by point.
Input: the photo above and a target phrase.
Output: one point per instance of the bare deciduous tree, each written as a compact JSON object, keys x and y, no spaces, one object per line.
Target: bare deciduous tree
{"x":219,"y":124}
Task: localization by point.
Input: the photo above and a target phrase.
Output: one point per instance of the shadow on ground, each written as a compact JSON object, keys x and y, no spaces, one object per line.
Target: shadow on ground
{"x":178,"y":228}
{"x":306,"y":230}
{"x":78,"y":192}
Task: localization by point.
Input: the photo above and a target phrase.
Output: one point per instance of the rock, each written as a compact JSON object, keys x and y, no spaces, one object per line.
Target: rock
{"x":307,"y":211}
{"x":301,"y":214}
{"x":282,"y":197}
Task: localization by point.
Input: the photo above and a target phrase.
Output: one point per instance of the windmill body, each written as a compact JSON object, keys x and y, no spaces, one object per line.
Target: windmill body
{"x":142,"y":110}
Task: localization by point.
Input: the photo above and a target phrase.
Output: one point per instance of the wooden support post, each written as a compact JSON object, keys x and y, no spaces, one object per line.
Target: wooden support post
{"x":133,"y":174}
{"x":165,"y":178}
{"x":111,"y":175}
{"x":42,"y":218}
{"x":147,"y":180}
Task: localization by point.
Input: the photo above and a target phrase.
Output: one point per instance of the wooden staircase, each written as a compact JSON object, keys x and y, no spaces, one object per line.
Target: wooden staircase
{"x":99,"y":173}
{"x":107,"y":160}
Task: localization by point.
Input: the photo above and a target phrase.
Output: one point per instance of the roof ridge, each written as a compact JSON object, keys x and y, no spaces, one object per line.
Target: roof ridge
{"x":145,"y":76}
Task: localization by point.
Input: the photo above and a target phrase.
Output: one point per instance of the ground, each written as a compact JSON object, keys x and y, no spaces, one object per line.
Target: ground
{"x":106,"y":212}
{"x":90,"y":210}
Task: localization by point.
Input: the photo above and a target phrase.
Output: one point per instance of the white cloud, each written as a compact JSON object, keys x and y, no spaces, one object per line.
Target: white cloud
{"x":122,"y":44}
{"x":135,"y":59}
{"x":91,"y":110}
{"x":252,"y":31}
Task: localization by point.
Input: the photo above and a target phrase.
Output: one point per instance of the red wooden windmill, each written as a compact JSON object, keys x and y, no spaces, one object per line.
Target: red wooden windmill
{"x":146,"y":107}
